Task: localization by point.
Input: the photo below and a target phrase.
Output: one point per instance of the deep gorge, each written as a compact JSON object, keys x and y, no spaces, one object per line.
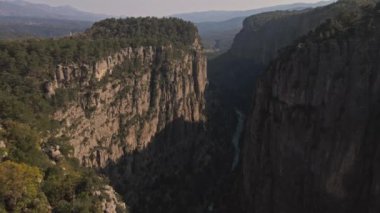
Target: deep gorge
{"x":131,"y":116}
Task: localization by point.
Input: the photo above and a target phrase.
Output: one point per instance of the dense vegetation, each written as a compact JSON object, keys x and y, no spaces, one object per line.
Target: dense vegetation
{"x":26,"y":129}
{"x":31,"y":181}
{"x":145,"y":31}
{"x":25,"y":122}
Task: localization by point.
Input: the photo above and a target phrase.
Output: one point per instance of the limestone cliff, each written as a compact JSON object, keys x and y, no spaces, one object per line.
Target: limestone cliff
{"x":133,"y":95}
{"x":311,"y":144}
{"x":137,"y":114}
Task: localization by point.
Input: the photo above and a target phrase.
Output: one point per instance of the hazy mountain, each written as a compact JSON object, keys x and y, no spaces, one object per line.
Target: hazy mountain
{"x":28,"y":27}
{"x":22,"y":19}
{"x":27,"y":9}
{"x":218,"y":36}
{"x":217,"y":16}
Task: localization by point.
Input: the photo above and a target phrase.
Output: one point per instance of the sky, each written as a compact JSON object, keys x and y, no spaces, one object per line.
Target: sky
{"x":163,"y":7}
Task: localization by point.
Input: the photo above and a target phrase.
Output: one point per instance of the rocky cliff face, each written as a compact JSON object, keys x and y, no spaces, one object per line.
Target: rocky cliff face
{"x":128,"y":98}
{"x":311,"y":144}
{"x":264,"y":34}
{"x":260,"y":40}
{"x":133,"y":112}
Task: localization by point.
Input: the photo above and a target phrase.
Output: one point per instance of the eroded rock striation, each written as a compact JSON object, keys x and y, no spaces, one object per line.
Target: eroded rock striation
{"x":311,"y":144}
{"x":152,"y":87}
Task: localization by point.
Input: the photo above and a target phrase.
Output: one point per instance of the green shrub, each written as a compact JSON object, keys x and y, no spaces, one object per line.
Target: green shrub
{"x":20,"y":187}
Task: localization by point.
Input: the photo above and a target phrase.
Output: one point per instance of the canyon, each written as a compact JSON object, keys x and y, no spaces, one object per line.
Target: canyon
{"x":131,"y":116}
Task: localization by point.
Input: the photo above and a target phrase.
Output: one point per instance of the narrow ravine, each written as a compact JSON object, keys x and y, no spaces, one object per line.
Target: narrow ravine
{"x":236,"y":145}
{"x":236,"y":138}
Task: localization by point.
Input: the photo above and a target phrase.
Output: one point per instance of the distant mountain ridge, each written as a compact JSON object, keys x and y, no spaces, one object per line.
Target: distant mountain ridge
{"x":12,"y":28}
{"x":20,"y":8}
{"x":220,"y":15}
{"x":217,"y":36}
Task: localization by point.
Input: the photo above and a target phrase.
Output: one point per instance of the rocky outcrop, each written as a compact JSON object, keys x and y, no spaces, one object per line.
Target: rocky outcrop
{"x":110,"y":201}
{"x":54,"y":152}
{"x":311,"y":144}
{"x":152,"y":87}
{"x":3,"y":150}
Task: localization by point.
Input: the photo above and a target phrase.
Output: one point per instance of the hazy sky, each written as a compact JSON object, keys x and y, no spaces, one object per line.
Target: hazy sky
{"x":163,"y":7}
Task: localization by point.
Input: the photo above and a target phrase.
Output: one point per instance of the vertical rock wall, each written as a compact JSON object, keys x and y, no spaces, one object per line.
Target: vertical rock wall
{"x":123,"y":110}
{"x":312,"y":141}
